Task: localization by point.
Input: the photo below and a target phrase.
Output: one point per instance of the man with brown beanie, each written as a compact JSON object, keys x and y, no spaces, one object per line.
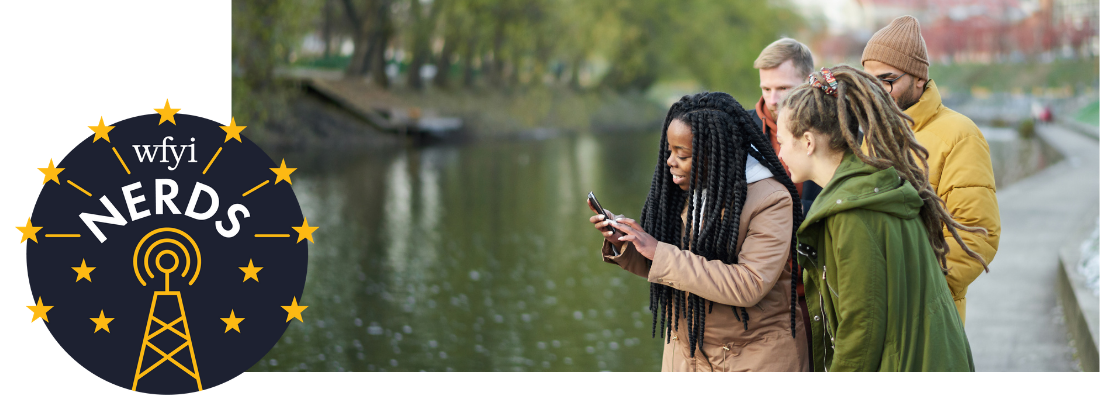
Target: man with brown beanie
{"x":783,"y":65}
{"x":959,"y":167}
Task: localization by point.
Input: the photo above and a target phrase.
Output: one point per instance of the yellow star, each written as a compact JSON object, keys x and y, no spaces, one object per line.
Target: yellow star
{"x":101,"y":322}
{"x":283,"y":173}
{"x":250,"y":272}
{"x":83,"y":271}
{"x":40,"y":311}
{"x":101,"y":131}
{"x":29,"y":232}
{"x":167,"y":113}
{"x":294,"y":310}
{"x":305,"y":231}
{"x":233,"y":131}
{"x":51,"y":173}
{"x":232,"y":322}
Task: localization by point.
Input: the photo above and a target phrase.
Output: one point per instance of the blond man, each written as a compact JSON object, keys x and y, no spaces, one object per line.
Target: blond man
{"x":783,"y":65}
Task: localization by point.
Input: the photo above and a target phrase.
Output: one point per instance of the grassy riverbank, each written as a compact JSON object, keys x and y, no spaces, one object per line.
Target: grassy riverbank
{"x":1035,"y":78}
{"x":496,"y":113}
{"x":1090,"y":114}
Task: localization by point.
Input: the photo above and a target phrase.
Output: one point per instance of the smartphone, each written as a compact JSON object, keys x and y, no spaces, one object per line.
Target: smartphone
{"x":600,"y":210}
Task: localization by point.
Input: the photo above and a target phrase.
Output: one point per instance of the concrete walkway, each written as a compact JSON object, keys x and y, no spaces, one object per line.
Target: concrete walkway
{"x":1014,"y":322}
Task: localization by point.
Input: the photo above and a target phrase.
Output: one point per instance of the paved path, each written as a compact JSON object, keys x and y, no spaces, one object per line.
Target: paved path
{"x":1014,"y":321}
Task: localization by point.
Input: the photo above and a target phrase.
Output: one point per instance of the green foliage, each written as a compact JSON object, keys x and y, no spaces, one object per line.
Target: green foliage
{"x":1026,"y":128}
{"x":569,"y":64}
{"x":265,"y":33}
{"x":717,"y":42}
{"x":713,"y":43}
{"x":1090,"y":114}
{"x":623,"y":45}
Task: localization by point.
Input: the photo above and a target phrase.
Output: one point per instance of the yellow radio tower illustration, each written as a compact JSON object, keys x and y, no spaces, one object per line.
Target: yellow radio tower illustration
{"x":166,"y":298}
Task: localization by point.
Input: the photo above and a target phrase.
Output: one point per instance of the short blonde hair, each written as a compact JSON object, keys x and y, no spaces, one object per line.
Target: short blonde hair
{"x":786,"y":49}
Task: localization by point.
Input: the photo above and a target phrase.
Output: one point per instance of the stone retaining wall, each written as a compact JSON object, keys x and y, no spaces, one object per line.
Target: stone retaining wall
{"x":1081,"y":309}
{"x":1080,"y":305}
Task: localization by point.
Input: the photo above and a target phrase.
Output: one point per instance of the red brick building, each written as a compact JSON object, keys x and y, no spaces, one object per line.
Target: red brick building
{"x":987,"y":30}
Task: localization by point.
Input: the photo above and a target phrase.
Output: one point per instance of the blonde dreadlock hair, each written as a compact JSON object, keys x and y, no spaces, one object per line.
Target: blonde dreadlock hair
{"x":860,"y":104}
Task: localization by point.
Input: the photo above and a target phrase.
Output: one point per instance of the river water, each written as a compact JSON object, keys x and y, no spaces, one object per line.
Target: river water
{"x":480,"y":258}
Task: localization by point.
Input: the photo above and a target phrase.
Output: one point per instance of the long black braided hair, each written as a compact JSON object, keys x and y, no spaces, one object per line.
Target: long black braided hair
{"x":723,"y":135}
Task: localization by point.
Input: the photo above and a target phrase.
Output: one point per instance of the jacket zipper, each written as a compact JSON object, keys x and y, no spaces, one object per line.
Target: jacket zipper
{"x":811,"y":255}
{"x":825,"y":318}
{"x":827,"y":285}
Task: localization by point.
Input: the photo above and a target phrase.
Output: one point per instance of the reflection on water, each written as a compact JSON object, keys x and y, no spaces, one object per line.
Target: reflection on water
{"x":475,"y":258}
{"x":480,"y":257}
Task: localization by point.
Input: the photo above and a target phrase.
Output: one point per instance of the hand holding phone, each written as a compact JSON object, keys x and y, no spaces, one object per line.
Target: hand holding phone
{"x":595,"y":206}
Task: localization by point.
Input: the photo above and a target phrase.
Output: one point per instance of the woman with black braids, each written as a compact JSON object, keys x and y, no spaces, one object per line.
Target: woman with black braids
{"x":872,"y":244}
{"x":715,"y":239}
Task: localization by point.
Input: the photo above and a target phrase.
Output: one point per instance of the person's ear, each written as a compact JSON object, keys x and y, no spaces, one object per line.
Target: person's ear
{"x":810,"y":141}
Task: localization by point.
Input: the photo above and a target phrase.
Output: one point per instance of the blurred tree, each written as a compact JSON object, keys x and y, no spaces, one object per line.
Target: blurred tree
{"x":530,"y":64}
{"x":374,"y":28}
{"x":574,"y":41}
{"x":422,"y":27}
{"x":638,"y":27}
{"x":265,"y":35}
{"x":450,"y":35}
{"x":326,"y":29}
{"x":711,"y":42}
{"x":622,"y":45}
{"x":472,"y":23}
{"x":501,"y":12}
{"x":729,"y":37}
{"x":361,"y":39}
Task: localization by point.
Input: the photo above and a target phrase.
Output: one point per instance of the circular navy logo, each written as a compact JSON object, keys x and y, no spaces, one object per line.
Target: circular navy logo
{"x":167,"y":253}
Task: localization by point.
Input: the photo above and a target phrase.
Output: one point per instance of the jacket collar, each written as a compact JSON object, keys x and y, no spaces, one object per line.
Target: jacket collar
{"x":927,"y":107}
{"x":766,"y":117}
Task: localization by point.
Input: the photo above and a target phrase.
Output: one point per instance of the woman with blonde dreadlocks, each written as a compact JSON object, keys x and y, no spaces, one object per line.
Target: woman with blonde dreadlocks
{"x":870,"y":246}
{"x":714,"y":240}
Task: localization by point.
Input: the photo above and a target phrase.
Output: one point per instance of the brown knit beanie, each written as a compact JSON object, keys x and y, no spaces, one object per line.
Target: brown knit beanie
{"x":901,"y":46}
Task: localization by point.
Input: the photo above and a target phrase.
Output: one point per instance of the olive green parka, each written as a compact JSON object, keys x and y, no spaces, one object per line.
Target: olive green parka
{"x":877,"y":298}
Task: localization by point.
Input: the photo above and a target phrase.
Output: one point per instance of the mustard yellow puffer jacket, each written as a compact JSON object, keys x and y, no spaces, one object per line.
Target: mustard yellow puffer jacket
{"x":961,"y":173}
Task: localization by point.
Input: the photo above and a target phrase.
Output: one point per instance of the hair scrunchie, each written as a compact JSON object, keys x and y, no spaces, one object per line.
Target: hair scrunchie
{"x":829,"y":85}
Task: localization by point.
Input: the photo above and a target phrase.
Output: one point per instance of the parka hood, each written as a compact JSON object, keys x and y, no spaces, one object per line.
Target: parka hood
{"x":858,"y":185}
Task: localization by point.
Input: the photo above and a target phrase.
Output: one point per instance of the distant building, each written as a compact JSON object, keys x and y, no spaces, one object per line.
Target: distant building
{"x":985,"y":31}
{"x":1076,"y":22}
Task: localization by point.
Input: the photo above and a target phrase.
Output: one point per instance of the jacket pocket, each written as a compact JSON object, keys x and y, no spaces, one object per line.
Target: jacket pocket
{"x":709,"y":357}
{"x":713,"y":357}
